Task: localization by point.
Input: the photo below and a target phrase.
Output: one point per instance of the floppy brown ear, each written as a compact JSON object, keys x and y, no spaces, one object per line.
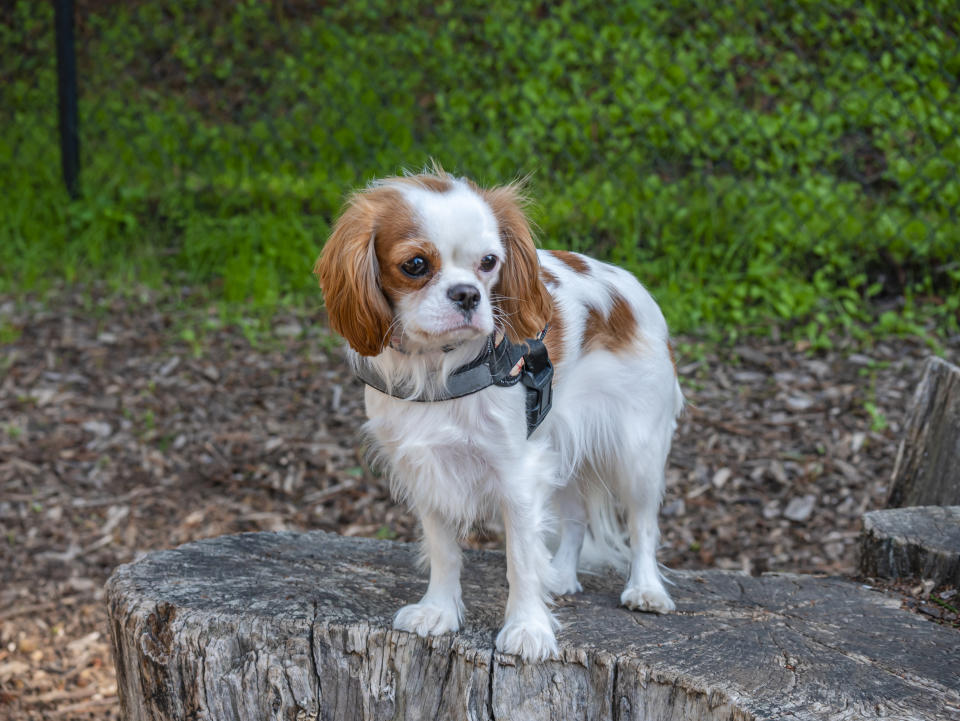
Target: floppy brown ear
{"x":523,"y":299}
{"x":349,"y":277}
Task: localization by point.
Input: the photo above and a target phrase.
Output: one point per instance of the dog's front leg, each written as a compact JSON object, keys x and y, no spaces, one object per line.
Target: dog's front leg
{"x":528,"y":628}
{"x":441,"y":608}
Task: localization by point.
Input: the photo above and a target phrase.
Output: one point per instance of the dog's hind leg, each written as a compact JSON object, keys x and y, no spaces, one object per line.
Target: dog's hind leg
{"x":568,"y":505}
{"x":641,"y":481}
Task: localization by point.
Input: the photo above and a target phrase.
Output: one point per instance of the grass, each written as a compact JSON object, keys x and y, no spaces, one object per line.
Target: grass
{"x":940,"y":602}
{"x":755,"y":164}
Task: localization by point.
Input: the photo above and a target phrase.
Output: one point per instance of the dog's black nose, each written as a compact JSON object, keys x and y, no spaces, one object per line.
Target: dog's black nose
{"x":465,"y":297}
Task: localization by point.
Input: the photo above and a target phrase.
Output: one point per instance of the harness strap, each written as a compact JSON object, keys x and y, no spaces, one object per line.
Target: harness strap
{"x":502,"y":363}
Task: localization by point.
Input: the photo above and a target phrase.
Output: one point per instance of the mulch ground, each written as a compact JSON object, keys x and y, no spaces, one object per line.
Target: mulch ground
{"x":127,"y":427}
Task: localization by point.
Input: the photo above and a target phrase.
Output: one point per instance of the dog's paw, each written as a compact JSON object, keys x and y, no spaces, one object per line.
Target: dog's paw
{"x":649,"y":599}
{"x":531,"y":640}
{"x":427,"y":619}
{"x":564,"y":583}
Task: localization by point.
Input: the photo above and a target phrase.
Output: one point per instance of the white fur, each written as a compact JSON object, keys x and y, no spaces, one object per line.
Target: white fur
{"x":594,"y":467}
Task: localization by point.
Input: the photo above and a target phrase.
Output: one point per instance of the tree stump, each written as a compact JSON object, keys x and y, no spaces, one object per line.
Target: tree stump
{"x":297,"y":626}
{"x":917,"y":542}
{"x":927,"y":469}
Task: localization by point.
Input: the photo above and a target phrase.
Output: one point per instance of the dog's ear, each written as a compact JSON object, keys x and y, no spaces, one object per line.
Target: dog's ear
{"x":523,"y":301}
{"x":349,"y":277}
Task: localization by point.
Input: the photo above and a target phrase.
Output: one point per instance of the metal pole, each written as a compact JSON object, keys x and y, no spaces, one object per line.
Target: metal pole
{"x":67,"y":85}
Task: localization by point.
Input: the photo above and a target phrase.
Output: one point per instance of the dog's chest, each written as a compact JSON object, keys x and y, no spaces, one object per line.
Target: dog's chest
{"x":448,"y":455}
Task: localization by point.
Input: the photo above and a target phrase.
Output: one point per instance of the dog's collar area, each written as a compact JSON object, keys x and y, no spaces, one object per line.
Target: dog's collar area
{"x":396,"y":343}
{"x":502,"y":363}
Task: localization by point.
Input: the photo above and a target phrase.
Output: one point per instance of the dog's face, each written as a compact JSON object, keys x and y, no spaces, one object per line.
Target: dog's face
{"x":431,"y":260}
{"x":439,"y":265}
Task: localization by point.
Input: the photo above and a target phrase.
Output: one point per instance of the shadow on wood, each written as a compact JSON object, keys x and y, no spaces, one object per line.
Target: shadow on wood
{"x":296,"y":626}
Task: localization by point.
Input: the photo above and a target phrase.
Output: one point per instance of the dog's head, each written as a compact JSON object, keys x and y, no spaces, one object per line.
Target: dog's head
{"x":430,"y":261}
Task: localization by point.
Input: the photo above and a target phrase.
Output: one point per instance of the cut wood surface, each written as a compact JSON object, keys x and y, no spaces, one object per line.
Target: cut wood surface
{"x":927,"y":469}
{"x":297,"y":626}
{"x":920,"y":542}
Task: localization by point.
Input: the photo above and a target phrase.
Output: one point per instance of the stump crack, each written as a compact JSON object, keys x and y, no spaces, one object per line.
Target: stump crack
{"x":790,"y":664}
{"x":493,"y":663}
{"x":614,"y":702}
{"x":924,"y":684}
{"x":202,"y":656}
{"x":444,"y":680}
{"x":313,"y":656}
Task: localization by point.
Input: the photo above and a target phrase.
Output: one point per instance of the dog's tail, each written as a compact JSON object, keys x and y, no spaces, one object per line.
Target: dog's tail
{"x":606,"y":543}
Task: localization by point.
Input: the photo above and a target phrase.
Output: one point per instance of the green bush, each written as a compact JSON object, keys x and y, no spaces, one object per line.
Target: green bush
{"x":753,"y":163}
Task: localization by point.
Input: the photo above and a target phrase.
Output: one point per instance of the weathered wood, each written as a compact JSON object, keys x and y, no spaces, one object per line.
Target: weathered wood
{"x":297,"y":626}
{"x":927,"y":469}
{"x":916,"y":542}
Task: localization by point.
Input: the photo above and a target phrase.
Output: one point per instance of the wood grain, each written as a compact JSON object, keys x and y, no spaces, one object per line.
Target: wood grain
{"x":296,"y":626}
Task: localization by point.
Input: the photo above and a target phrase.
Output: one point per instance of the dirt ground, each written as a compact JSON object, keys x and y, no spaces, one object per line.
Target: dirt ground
{"x":127,"y":427}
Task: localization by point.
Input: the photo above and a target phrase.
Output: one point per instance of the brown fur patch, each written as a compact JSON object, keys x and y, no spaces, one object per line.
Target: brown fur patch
{"x":556,"y":334}
{"x":615,"y":332}
{"x":348,"y":266}
{"x":397,"y":239}
{"x":523,"y":301}
{"x":391,"y":255}
{"x":554,"y":340}
{"x":574,"y":261}
{"x":427,"y":181}
{"x":548,"y":277}
{"x":436,"y":179}
{"x":673,"y":358}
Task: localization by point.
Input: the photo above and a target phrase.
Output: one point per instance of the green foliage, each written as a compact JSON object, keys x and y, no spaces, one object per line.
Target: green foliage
{"x":754,"y":163}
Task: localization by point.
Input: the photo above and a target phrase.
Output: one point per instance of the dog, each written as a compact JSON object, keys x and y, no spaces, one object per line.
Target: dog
{"x":427,"y":276}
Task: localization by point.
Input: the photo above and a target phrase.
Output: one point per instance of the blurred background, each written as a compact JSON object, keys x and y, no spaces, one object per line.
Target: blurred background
{"x":794,"y":162}
{"x":783,"y":176}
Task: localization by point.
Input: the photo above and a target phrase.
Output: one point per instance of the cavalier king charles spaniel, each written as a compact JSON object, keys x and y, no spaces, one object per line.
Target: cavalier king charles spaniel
{"x":427,"y":275}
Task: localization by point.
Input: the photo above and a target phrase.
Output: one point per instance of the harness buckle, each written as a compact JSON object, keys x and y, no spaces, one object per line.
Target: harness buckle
{"x":537,"y":377}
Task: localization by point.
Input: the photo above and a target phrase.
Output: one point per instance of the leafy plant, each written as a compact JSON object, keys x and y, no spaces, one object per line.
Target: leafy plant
{"x":755,"y":164}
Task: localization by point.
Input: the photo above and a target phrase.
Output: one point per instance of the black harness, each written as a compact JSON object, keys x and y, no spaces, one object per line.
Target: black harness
{"x":502,"y":363}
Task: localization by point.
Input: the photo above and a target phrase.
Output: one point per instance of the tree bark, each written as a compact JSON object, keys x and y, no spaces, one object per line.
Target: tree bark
{"x":927,"y":469}
{"x":297,"y":626}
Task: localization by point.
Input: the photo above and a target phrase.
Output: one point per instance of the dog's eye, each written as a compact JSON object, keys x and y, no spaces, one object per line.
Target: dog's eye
{"x":488,"y":263}
{"x":415,"y":267}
